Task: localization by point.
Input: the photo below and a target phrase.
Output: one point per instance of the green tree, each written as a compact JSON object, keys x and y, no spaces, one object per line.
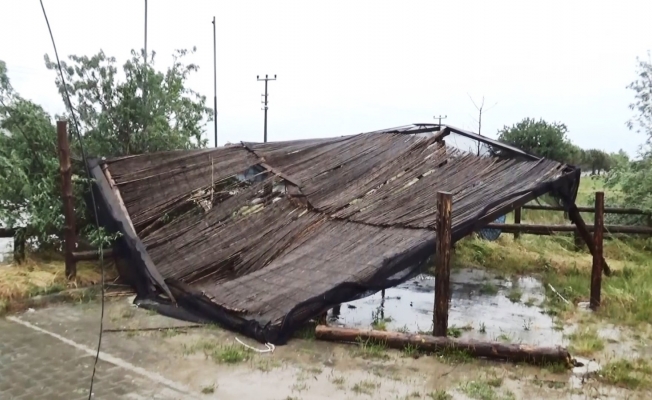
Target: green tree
{"x":597,"y":161}
{"x":634,"y":178}
{"x":149,"y":111}
{"x":30,"y":189}
{"x":540,"y":138}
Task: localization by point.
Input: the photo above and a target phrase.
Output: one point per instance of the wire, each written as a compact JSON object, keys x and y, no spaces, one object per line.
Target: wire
{"x":88,"y":173}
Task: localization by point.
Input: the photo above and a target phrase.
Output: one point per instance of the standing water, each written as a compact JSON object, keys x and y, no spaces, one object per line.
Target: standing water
{"x":483,"y":306}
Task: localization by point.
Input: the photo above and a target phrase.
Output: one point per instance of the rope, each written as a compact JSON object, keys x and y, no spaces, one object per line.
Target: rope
{"x":270,"y":347}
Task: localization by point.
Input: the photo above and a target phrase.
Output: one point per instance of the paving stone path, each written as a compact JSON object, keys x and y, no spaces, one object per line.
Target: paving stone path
{"x":35,"y":365}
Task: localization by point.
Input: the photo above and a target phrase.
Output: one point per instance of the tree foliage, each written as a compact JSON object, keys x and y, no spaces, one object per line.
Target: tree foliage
{"x":146,"y":111}
{"x":540,"y":138}
{"x":634,"y":178}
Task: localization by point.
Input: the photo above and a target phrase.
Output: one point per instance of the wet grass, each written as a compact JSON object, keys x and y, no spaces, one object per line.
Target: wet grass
{"x":440,"y":395}
{"x":365,"y":387}
{"x":44,"y":274}
{"x":488,"y":288}
{"x":626,"y":295}
{"x":220,"y":353}
{"x":515,"y":295}
{"x":585,"y":341}
{"x":369,"y":349}
{"x":454,"y":356}
{"x":630,"y":374}
{"x":208,"y":389}
{"x":486,"y":389}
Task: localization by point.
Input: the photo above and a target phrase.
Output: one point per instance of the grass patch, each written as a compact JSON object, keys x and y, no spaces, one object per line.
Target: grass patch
{"x":365,"y":387}
{"x":585,"y":341}
{"x":45,"y":274}
{"x":306,"y":332}
{"x":454,"y":331}
{"x":208,"y":389}
{"x":626,"y":295}
{"x":223,"y":354}
{"x":488,"y":288}
{"x":338,"y":381}
{"x":486,"y":390}
{"x":515,"y":295}
{"x":370,"y":349}
{"x":630,"y":374}
{"x":453,"y":356}
{"x":410,"y":351}
{"x":440,"y":395}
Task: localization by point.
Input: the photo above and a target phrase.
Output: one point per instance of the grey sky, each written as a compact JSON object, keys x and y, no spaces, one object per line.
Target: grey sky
{"x":351,"y":66}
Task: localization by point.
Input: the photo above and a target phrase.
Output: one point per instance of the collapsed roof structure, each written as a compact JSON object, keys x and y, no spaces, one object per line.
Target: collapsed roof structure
{"x":262,"y":237}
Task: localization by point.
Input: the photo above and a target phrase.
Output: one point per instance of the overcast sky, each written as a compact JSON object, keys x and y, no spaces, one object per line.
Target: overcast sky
{"x":346,"y":67}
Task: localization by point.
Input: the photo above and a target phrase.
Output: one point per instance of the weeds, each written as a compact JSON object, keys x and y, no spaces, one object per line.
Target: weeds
{"x":410,"y":350}
{"x":515,"y":295}
{"x":223,"y":354}
{"x":440,"y":395}
{"x":630,"y":374}
{"x":371,"y":349}
{"x":453,"y":356}
{"x":208,"y":389}
{"x":483,"y":328}
{"x":454,"y":331}
{"x":488,"y":288}
{"x":585,"y":341}
{"x":365,"y":387}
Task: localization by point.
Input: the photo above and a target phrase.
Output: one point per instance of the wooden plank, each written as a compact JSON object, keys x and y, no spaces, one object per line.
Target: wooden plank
{"x":442,"y":263}
{"x":596,"y":271}
{"x":7,"y":232}
{"x":537,"y":229}
{"x":607,"y":210}
{"x":583,"y":230}
{"x":65,"y":169}
{"x":91,"y":255}
{"x":476,"y":348}
{"x":116,"y":192}
{"x":517,"y":221}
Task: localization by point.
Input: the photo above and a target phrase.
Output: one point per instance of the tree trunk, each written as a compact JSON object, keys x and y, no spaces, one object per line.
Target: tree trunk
{"x":491,"y":350}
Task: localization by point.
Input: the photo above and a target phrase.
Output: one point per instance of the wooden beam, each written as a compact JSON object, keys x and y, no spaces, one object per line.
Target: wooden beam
{"x":442,"y":263}
{"x":7,"y":232}
{"x":116,"y":192}
{"x":607,"y":210}
{"x":65,"y":169}
{"x":91,"y":255}
{"x":583,"y":230}
{"x":517,"y":221}
{"x":491,"y":350}
{"x":537,"y":229}
{"x":596,"y":271}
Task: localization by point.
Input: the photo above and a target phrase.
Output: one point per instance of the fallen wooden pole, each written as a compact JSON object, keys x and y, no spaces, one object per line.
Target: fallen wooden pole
{"x":596,"y":270}
{"x":607,"y":210}
{"x":475,"y":348}
{"x":91,"y":255}
{"x":536,"y":229}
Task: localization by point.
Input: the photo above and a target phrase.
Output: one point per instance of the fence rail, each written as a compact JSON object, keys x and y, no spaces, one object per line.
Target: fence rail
{"x":607,"y":210}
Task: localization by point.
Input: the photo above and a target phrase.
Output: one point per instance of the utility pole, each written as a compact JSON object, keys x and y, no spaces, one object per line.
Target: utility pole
{"x":480,"y":109}
{"x":266,"y":79}
{"x":145,"y":53}
{"x":440,"y":117}
{"x":215,"y":82}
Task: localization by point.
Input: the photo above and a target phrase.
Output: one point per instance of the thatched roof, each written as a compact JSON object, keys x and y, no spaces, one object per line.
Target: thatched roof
{"x":324,"y":221}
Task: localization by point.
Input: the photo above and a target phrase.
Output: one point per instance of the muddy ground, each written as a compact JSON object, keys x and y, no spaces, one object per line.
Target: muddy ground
{"x":212,"y":364}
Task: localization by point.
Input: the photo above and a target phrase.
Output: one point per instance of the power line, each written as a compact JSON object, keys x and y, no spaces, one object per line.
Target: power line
{"x":90,"y":180}
{"x":266,"y":79}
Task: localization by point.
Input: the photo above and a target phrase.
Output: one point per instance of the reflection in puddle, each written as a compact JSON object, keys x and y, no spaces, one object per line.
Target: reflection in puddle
{"x":480,"y":307}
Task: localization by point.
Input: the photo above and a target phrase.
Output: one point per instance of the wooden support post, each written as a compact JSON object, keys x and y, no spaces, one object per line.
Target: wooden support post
{"x":596,"y":271}
{"x":442,"y":263}
{"x":517,"y":220}
{"x":65,"y":168}
{"x":582,"y":229}
{"x":19,"y":247}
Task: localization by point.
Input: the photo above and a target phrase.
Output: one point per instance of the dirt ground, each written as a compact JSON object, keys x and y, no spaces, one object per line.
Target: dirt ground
{"x":208,"y":362}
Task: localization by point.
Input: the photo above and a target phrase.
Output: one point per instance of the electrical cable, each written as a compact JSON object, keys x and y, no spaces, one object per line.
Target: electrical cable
{"x":90,"y":181}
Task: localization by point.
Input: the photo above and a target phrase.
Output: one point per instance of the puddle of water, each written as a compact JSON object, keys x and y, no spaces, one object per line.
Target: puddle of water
{"x":479,"y":300}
